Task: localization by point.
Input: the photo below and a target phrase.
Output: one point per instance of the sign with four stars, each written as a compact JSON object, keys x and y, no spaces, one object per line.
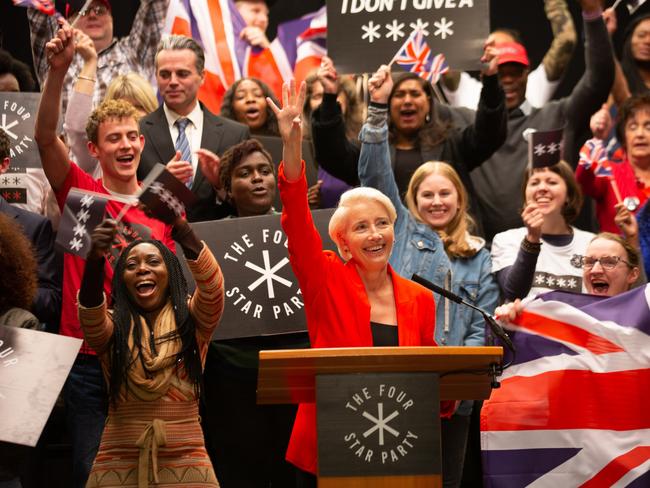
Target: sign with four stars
{"x":363,"y":34}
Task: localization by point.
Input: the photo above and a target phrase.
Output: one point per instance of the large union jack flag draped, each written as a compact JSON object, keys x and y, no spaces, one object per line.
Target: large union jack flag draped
{"x":573,"y":409}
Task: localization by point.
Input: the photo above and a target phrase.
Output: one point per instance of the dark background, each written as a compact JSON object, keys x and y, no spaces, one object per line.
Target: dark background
{"x":527,"y":16}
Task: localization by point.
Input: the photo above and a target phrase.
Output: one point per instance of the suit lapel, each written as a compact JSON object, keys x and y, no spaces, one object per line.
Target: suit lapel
{"x":211,"y":137}
{"x":159,"y":136}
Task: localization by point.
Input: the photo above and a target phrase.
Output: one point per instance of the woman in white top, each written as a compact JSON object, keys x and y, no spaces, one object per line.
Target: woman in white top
{"x":538,"y":257}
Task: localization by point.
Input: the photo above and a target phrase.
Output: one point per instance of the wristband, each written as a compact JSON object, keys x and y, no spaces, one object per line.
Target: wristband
{"x":531,"y":247}
{"x":87,"y":78}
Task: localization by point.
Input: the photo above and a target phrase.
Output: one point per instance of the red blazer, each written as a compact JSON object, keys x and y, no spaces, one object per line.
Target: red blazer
{"x":337,"y":307}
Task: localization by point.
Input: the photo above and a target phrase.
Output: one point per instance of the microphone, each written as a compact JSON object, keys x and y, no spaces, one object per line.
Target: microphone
{"x":496,"y":329}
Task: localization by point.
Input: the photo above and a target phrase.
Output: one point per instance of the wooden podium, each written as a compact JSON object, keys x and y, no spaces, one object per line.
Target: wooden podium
{"x":465,"y":373}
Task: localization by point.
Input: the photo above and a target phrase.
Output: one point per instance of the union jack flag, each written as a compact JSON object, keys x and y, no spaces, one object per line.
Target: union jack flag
{"x":593,"y":154}
{"x":439,"y":67}
{"x":415,"y":54}
{"x":45,"y":6}
{"x":572,"y":410}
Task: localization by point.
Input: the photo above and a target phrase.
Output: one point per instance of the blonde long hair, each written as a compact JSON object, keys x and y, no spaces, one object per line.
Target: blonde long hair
{"x":455,"y":236}
{"x":134,"y":87}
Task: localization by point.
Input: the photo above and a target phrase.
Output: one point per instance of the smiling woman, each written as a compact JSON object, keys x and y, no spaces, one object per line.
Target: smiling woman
{"x":537,"y":257}
{"x":152,"y":347}
{"x":358,"y":301}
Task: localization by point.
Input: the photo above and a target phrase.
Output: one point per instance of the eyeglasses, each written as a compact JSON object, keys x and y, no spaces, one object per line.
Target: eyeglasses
{"x":588,"y":262}
{"x":98,"y":10}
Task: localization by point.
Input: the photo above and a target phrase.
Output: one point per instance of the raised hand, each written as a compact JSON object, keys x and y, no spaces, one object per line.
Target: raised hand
{"x":255,"y":36}
{"x":60,"y":50}
{"x":328,"y":76}
{"x":490,"y":58}
{"x":290,"y":126}
{"x":210,"y":165}
{"x":626,"y":221}
{"x":611,"y":21}
{"x":182,"y":170}
{"x":380,"y":84}
{"x":601,"y":123}
{"x":102,"y":238}
{"x":84,"y":45}
{"x":533,"y":220}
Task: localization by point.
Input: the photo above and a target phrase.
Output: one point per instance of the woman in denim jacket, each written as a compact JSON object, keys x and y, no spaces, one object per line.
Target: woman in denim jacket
{"x":432,"y":241}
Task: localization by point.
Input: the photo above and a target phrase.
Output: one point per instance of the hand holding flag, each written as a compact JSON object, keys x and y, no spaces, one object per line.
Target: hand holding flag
{"x":101,"y":239}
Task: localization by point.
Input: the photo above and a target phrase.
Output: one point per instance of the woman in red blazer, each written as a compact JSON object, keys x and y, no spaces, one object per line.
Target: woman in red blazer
{"x":355,"y":302}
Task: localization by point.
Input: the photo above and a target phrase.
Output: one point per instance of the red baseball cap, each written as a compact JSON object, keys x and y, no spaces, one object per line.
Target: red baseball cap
{"x":512,"y":52}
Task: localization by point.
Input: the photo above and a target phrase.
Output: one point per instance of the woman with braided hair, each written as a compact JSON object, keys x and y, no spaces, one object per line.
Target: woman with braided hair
{"x":152,"y":347}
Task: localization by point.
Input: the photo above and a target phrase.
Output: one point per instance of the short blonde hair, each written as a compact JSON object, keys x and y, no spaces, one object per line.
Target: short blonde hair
{"x":134,"y":87}
{"x":339,"y":221}
{"x":454,"y":237}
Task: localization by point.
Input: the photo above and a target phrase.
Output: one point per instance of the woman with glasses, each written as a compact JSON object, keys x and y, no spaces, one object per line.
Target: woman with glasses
{"x":610,"y":266}
{"x":537,"y":257}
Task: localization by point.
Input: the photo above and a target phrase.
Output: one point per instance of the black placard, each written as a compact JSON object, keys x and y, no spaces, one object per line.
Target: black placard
{"x":17,"y":119}
{"x":379,"y":424}
{"x":262,"y":293}
{"x":363,"y":34}
{"x":33,"y":368}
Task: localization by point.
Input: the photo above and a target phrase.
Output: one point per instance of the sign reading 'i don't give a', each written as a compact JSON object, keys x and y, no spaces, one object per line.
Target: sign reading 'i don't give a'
{"x":363,"y":34}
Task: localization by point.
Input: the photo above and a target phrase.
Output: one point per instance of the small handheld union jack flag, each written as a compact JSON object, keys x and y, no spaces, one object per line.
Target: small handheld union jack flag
{"x":439,"y":67}
{"x":593,"y":154}
{"x":414,"y":55}
{"x":45,"y":6}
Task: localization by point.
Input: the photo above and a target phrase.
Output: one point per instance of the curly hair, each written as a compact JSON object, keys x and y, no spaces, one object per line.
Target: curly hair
{"x":17,"y":266}
{"x":228,"y":111}
{"x":108,"y":109}
{"x":235,"y":155}
{"x":628,"y":109}
{"x":434,"y":131}
{"x":126,"y":312}
{"x":10,"y":65}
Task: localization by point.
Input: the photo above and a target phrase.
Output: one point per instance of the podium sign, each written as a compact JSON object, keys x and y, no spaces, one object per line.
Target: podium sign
{"x":33,"y":368}
{"x":17,"y":119}
{"x":381,"y":424}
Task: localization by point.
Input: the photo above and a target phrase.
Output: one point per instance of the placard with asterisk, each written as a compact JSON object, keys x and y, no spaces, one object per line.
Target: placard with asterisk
{"x":82,"y":212}
{"x":262,"y":294}
{"x":363,"y":34}
{"x":378,"y":424}
{"x":17,"y":119}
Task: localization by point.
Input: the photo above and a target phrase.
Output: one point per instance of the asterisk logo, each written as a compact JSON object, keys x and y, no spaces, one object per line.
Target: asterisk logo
{"x":553,"y":147}
{"x":561,"y":282}
{"x":87,"y":200}
{"x":175,"y":206}
{"x":550,"y":281}
{"x":540,"y":149}
{"x":268,"y":274}
{"x":76,"y":244}
{"x":5,"y":181}
{"x":443,"y":28}
{"x":16,"y":180}
{"x":381,"y":423}
{"x":157,"y":188}
{"x":370,"y":31}
{"x":572,"y":283}
{"x":6,"y":127}
{"x":83,"y":215}
{"x":395,"y":30}
{"x":79,"y":229}
{"x":420,"y":26}
{"x":539,"y":279}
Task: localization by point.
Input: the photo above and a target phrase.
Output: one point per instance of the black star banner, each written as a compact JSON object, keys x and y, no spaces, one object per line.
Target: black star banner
{"x":165,"y":196}
{"x":544,"y":148}
{"x":363,"y":34}
{"x":83,"y":211}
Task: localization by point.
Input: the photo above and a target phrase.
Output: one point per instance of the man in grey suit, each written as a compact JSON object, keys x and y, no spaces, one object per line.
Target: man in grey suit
{"x":182,"y":125}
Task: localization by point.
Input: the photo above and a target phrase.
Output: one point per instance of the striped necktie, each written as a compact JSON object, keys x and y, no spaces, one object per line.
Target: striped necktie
{"x":183,"y":145}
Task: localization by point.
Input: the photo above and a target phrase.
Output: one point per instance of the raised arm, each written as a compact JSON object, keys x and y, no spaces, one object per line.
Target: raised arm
{"x":490,"y":129}
{"x":558,"y":56}
{"x":53,"y":152}
{"x":374,"y":161}
{"x":80,"y":104}
{"x":42,"y":28}
{"x":290,"y":127}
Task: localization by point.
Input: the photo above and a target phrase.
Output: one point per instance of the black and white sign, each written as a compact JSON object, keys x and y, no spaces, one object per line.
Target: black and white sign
{"x":17,"y":119}
{"x":262,"y":293}
{"x":33,"y":368}
{"x":165,"y":196}
{"x":378,"y":424}
{"x":83,"y":211}
{"x":545,"y":147}
{"x":363,"y":34}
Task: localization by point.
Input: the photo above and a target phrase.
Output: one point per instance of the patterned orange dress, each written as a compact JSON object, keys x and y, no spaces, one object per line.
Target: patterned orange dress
{"x":153,"y":436}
